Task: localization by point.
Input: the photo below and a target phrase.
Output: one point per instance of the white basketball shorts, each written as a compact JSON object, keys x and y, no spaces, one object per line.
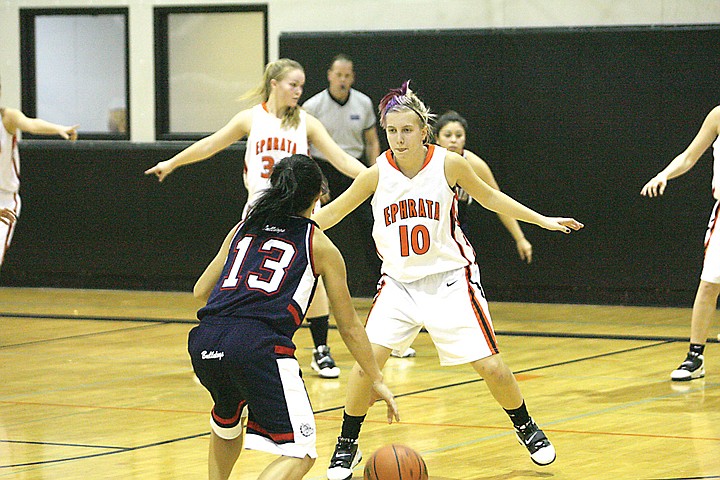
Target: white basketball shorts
{"x":11,"y":201}
{"x":711,"y":264}
{"x":450,"y":305}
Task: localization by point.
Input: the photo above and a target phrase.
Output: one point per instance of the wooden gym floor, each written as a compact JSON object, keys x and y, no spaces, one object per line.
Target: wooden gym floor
{"x":98,"y":385}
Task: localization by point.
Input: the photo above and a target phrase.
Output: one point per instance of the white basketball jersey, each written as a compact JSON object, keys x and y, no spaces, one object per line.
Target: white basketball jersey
{"x":267,"y":144}
{"x":415,"y":228}
{"x":9,"y":161}
{"x":716,"y":169}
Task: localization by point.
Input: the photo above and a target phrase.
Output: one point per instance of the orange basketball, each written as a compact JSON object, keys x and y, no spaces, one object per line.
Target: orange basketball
{"x":395,"y":462}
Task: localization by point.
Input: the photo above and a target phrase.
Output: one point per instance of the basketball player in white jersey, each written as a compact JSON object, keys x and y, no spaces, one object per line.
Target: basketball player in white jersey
{"x":276,"y":128}
{"x":707,"y":293}
{"x":13,"y":122}
{"x":451,"y":133}
{"x":429,"y":275}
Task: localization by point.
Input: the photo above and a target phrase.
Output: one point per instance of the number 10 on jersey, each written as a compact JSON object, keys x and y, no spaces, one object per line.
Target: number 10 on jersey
{"x":416,"y":240}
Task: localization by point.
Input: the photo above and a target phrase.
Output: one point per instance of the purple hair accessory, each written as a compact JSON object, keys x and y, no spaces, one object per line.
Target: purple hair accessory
{"x":392,"y":98}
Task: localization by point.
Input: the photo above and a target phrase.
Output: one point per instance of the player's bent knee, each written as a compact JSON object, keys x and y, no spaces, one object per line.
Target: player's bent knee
{"x":299,"y":466}
{"x":226,"y":432}
{"x":491,"y":367}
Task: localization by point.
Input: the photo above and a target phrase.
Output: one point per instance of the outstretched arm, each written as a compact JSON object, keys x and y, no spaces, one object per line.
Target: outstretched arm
{"x":687,"y":159}
{"x":330,"y":265}
{"x":38,"y":126}
{"x":458,"y":172}
{"x":319,"y":136}
{"x":209,"y":278}
{"x":234,"y":130}
{"x":482,"y":170}
{"x":363,"y":186}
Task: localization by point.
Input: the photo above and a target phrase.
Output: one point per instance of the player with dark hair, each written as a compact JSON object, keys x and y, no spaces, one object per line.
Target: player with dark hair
{"x":451,"y":133}
{"x":258,"y":289}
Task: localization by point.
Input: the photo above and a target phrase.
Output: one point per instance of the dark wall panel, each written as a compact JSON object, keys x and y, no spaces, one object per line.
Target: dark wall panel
{"x":573,"y":122}
{"x":91,"y":218}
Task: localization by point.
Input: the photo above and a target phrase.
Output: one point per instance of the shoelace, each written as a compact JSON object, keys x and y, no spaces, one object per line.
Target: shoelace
{"x":540,"y":442}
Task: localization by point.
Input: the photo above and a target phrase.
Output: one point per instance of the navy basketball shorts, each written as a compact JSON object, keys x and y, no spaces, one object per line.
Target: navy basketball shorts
{"x":255,"y":382}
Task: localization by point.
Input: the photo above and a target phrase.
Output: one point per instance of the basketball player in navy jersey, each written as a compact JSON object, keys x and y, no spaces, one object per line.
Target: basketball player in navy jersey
{"x":258,"y":289}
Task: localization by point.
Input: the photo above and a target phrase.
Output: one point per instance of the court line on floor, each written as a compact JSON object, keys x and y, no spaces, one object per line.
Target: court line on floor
{"x":126,"y":449}
{"x":80,"y":335}
{"x":519,"y":333}
{"x":507,"y":430}
{"x":102,"y":454}
{"x":43,"y":316}
{"x":526,"y":370}
{"x":688,"y":478}
{"x":99,"y":407}
{"x":60,"y":444}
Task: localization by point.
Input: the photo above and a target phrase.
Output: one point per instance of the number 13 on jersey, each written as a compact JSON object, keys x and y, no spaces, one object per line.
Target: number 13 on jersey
{"x":276,"y":255}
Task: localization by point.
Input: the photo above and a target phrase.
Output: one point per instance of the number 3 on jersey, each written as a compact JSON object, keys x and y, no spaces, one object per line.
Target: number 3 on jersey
{"x":268,"y":163}
{"x":418,"y":240}
{"x":267,"y":282}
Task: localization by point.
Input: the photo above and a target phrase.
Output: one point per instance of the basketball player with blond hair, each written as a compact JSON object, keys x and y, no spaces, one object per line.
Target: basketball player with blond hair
{"x":429,"y":275}
{"x":275,"y":128}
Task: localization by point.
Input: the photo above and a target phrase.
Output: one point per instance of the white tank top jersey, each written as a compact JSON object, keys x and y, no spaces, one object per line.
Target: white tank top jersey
{"x":267,"y":144}
{"x":415,"y":228}
{"x":716,"y":169}
{"x":9,"y":162}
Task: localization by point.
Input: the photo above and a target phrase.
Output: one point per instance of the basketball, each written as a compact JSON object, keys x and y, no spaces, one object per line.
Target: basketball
{"x":395,"y":462}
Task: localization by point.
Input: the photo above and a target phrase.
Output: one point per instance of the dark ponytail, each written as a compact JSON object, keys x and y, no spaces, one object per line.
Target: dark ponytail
{"x":294,"y":184}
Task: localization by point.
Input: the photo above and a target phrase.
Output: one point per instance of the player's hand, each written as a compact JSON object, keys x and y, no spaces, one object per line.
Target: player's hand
{"x":69,"y":133}
{"x":462,"y":195}
{"x":565,"y":225}
{"x":524,"y":248}
{"x":7,"y":216}
{"x":161,"y":170}
{"x":384,"y":392}
{"x":655,"y":187}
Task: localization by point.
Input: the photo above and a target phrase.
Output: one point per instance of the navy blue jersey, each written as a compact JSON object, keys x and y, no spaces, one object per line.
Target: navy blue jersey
{"x":268,"y":276}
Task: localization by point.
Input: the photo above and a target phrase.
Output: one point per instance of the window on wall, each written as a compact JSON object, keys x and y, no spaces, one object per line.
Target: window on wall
{"x":75,"y":68}
{"x":206,"y":58}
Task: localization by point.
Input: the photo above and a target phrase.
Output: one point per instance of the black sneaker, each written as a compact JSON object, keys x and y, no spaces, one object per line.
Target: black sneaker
{"x":541,"y":450}
{"x":692,"y":367}
{"x":323,"y":363}
{"x":346,"y":456}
